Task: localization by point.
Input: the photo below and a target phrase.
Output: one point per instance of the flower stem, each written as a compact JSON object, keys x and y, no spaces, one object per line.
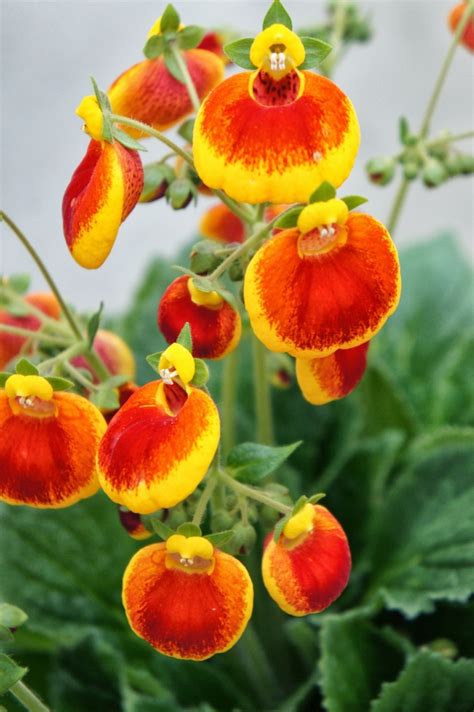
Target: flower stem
{"x":263,"y":403}
{"x":28,"y":698}
{"x":47,"y":321}
{"x":253,"y":493}
{"x":37,"y":335}
{"x":42,"y":268}
{"x":205,"y":497}
{"x":402,"y":192}
{"x":74,"y":350}
{"x":340,"y":19}
{"x":228,"y":401}
{"x":77,"y":375}
{"x":187,"y":79}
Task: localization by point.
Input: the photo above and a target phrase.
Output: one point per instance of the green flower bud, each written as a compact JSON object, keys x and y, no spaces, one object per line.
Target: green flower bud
{"x":453,"y":164}
{"x":434,"y":173}
{"x":236,"y":271}
{"x":381,"y":170}
{"x":221,"y":521}
{"x":202,"y":258}
{"x":410,"y":170}
{"x":175,"y":517}
{"x":157,"y":178}
{"x":243,"y":540}
{"x":268,"y":515}
{"x":180,"y":193}
{"x":467,"y":164}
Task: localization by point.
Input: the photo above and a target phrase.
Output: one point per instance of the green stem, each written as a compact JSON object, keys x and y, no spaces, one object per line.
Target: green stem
{"x":54,"y":324}
{"x":77,"y":375}
{"x":397,"y":205}
{"x":238,"y":210}
{"x":449,"y":139}
{"x":42,"y":268}
{"x":187,"y":80}
{"x":263,"y":402}
{"x":340,"y":19}
{"x":73,"y":350}
{"x":257,"y":665}
{"x":205,"y":497}
{"x":228,"y":401}
{"x":28,"y":698}
{"x":402,"y":192}
{"x":253,"y":493}
{"x":37,"y":335}
{"x":97,"y":364}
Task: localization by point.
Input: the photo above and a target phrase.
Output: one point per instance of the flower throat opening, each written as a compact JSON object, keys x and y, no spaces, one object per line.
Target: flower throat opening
{"x":269,"y":91}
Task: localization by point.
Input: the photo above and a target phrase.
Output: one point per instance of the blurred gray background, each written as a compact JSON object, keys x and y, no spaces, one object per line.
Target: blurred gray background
{"x":49,"y":49}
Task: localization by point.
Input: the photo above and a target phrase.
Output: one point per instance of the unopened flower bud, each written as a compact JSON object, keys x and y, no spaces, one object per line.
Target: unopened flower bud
{"x":381,"y":170}
{"x":180,"y":193}
{"x":410,"y":170}
{"x":221,"y":521}
{"x":467,"y":164}
{"x":158,"y":176}
{"x":434,"y":173}
{"x":454,"y":164}
{"x":175,"y":517}
{"x":243,"y":540}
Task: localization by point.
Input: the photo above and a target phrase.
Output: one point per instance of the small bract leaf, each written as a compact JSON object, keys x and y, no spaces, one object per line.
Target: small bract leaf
{"x":172,"y":66}
{"x":185,"y":338}
{"x":277,"y":15}
{"x":289,"y":219}
{"x":127,"y":140}
{"x":170,"y":20}
{"x":12,"y":616}
{"x":201,"y":373}
{"x":251,"y":462}
{"x":353,"y":201}
{"x":102,"y":98}
{"x":26,"y":368}
{"x":190,"y":36}
{"x":404,"y":129}
{"x":189,"y":529}
{"x":93,"y":325}
{"x":154,"y":359}
{"x":163,"y":530}
{"x":186,"y":130}
{"x":325,"y":192}
{"x":315,"y":51}
{"x":238,"y":52}
{"x":277,"y":532}
{"x":10,"y":673}
{"x":4,"y":376}
{"x":59,"y":384}
{"x":299,"y":504}
{"x":154,"y":47}
{"x":220,"y":538}
{"x":316,"y":497}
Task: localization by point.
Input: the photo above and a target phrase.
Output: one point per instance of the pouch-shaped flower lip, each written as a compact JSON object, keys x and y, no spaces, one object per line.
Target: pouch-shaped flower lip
{"x":48,"y":444}
{"x":323,"y":380}
{"x":324,"y":285}
{"x":309,"y":566}
{"x":158,"y":447}
{"x":215,"y":325}
{"x":187,"y":599}
{"x":277,"y":133}
{"x":221,"y":224}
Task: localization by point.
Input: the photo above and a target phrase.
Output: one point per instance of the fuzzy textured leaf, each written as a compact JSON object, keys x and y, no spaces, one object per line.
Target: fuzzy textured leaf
{"x":251,"y":462}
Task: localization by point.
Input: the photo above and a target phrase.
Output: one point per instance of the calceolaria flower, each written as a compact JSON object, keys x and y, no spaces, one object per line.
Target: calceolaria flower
{"x":323,"y":380}
{"x":103,"y":191}
{"x":276,"y":133}
{"x":114,"y":353}
{"x":309,"y":566}
{"x":148,"y":92}
{"x":48,"y":444}
{"x":132,"y":523}
{"x":159,"y":445}
{"x":12,"y":344}
{"x":186,"y":598}
{"x":330,"y":283}
{"x":221,"y":224}
{"x":215,"y":325}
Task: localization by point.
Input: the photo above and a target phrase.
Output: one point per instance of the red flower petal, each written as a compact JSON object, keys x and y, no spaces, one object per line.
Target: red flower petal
{"x":323,"y":380}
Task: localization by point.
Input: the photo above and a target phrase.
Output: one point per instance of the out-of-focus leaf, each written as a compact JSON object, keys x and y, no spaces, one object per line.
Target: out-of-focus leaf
{"x":251,"y":462}
{"x":10,"y":673}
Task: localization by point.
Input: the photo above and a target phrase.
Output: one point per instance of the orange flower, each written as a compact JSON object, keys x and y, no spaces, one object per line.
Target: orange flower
{"x":277,"y":133}
{"x":323,"y":380}
{"x":158,"y":447}
{"x":48,"y":444}
{"x":102,"y":192}
{"x":329,"y":284}
{"x":214,"y":42}
{"x":11,"y":344}
{"x":309,"y":566}
{"x":455,"y":17}
{"x":187,"y":599}
{"x":115,"y":354}
{"x":215,"y":325}
{"x":132,"y":523}
{"x":148,"y":92}
{"x":221,"y":224}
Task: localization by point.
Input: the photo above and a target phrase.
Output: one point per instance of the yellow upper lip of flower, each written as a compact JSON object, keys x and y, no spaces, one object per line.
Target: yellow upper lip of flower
{"x":19,"y":386}
{"x":277,"y":49}
{"x":90,"y":112}
{"x":300,"y":523}
{"x":177,"y":361}
{"x":319,"y":214}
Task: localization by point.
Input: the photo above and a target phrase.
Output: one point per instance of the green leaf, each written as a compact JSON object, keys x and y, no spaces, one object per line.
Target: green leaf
{"x":353,"y":201}
{"x":4,"y":376}
{"x":6,"y":636}
{"x":220,"y":538}
{"x":154,"y":360}
{"x":315,"y":52}
{"x":172,"y":65}
{"x":277,"y":15}
{"x":404,"y":130}
{"x":105,"y":399}
{"x":127,"y":140}
{"x":186,"y":130}
{"x":324,"y":192}
{"x":102,"y":98}
{"x":184,"y":337}
{"x":189,"y":529}
{"x":170,"y":20}
{"x":93,"y":325}
{"x":238,"y":52}
{"x":201,"y":374}
{"x":429,"y":682}
{"x":157,"y":177}
{"x":19,"y":283}
{"x":356,"y":658}
{"x":421,"y":549}
{"x":26,"y":368}
{"x":10,"y":673}
{"x":251,"y":462}
{"x":280,"y":525}
{"x":59,"y":384}
{"x":289,"y":219}
{"x":114,"y":381}
{"x":154,"y":46}
{"x":315,"y":498}
{"x":12,"y":616}
{"x":190,"y":36}
{"x":163,"y":530}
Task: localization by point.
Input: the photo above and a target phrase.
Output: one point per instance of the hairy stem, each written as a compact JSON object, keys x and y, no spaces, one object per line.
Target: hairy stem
{"x":187,"y":80}
{"x":74,"y":350}
{"x":397,"y":205}
{"x":253,"y":493}
{"x":36,"y":335}
{"x":205,"y":498}
{"x":263,"y":403}
{"x":28,"y":698}
{"x":228,"y":401}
